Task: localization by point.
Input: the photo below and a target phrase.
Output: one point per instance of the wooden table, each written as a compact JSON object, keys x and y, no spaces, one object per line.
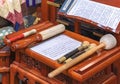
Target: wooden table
{"x":32,"y":67}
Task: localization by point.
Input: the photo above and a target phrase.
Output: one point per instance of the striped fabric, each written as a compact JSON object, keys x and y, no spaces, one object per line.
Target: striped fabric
{"x":32,"y":2}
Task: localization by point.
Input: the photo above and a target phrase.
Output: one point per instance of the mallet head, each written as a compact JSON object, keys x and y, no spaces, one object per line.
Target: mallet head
{"x":109,"y":40}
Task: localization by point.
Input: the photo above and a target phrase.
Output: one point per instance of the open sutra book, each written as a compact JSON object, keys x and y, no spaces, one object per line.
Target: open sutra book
{"x":103,"y":15}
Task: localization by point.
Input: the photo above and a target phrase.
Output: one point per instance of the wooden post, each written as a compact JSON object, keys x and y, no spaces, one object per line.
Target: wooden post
{"x":44,"y":10}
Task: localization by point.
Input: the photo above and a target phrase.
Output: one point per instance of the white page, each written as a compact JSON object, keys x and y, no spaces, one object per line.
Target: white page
{"x":102,"y":14}
{"x":95,"y":15}
{"x":97,"y":12}
{"x":89,"y":9}
{"x":115,"y":19}
{"x":56,"y":47}
{"x":82,"y":10}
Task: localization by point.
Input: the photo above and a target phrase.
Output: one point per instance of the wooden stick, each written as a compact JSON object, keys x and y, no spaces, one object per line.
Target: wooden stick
{"x":75,"y":61}
{"x":84,"y":45}
{"x":8,"y":39}
{"x":78,"y":53}
{"x":22,"y":35}
{"x":43,"y":35}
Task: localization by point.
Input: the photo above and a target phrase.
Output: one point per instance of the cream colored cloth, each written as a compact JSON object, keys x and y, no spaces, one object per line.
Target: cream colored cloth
{"x":11,"y":10}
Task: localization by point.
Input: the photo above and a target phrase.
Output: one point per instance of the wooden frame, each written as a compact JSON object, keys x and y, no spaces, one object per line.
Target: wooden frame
{"x":5,"y":60}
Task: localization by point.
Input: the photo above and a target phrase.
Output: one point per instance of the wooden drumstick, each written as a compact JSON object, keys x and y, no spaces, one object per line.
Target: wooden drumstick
{"x":107,"y":42}
{"x":84,"y":45}
{"x":43,"y":35}
{"x":8,"y":39}
{"x":79,"y":53}
{"x":22,"y":35}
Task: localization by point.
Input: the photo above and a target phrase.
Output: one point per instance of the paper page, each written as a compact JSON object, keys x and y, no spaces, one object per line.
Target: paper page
{"x":79,"y":5}
{"x":102,"y":14}
{"x":115,"y":19}
{"x":56,"y":47}
{"x":97,"y":12}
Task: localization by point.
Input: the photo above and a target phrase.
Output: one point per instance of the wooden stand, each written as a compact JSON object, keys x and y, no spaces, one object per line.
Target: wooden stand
{"x":98,"y":68}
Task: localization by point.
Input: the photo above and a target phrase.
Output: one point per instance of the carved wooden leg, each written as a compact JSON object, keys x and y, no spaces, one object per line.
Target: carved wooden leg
{"x":13,"y":78}
{"x":31,"y":78}
{"x":5,"y":78}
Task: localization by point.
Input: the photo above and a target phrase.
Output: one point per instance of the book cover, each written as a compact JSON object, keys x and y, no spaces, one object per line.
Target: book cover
{"x":66,"y":5}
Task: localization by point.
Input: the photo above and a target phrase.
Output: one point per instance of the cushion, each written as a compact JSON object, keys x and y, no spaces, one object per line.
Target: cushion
{"x":3,"y":32}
